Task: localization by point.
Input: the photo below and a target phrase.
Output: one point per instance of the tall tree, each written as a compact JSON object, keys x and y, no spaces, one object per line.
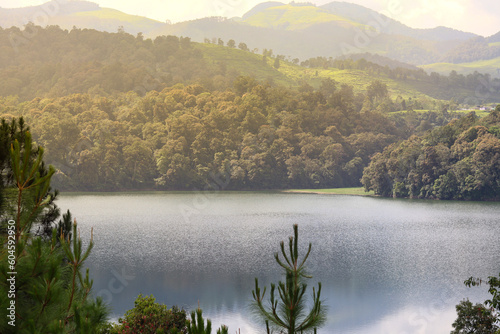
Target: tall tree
{"x":41,"y":285}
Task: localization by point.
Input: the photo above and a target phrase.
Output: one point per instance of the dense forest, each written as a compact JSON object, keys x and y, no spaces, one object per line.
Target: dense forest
{"x":253,"y":135}
{"x":459,"y":161}
{"x":51,"y":62}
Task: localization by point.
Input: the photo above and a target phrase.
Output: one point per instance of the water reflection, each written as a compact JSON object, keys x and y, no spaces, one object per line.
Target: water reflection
{"x":387,"y":266}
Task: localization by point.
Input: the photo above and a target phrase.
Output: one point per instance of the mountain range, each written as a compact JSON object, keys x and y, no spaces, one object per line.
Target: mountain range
{"x":296,"y":30}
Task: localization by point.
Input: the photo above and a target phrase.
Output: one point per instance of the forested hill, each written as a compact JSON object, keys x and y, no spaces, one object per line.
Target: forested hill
{"x":300,"y":30}
{"x":51,"y":62}
{"x":458,"y":161}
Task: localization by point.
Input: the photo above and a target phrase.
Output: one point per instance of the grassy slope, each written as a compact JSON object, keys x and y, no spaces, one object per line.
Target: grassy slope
{"x":336,"y":191}
{"x":292,"y":75}
{"x":296,"y":17}
{"x":246,"y":63}
{"x":113,"y":14}
{"x":483,"y":66}
{"x":106,"y":19}
{"x":109,"y":13}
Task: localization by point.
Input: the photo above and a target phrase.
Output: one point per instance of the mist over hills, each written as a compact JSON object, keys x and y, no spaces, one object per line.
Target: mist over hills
{"x":331,"y":30}
{"x":388,"y":25}
{"x":294,"y":30}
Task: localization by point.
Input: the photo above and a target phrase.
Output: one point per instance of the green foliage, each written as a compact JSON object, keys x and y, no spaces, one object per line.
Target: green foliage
{"x":51,"y":295}
{"x":89,"y":61}
{"x":29,"y":178}
{"x":253,"y":136}
{"x":150,"y":317}
{"x":292,"y":17}
{"x":197,"y":325}
{"x":475,"y":319}
{"x":120,"y":62}
{"x":457,"y":161}
{"x":287,"y":311}
{"x":223,"y":330}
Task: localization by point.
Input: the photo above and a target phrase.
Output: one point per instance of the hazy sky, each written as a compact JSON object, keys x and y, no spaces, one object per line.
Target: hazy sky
{"x":479,"y":16}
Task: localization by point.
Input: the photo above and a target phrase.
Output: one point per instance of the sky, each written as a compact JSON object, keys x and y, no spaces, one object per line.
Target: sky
{"x":478,"y":16}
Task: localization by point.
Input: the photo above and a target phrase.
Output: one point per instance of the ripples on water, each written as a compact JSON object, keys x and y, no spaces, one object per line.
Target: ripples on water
{"x":387,"y":266}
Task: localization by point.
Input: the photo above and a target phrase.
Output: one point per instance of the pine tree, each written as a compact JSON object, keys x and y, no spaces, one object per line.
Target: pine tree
{"x":41,"y":274}
{"x":287,"y":312}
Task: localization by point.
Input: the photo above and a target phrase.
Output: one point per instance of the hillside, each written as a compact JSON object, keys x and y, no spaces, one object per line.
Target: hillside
{"x":490,"y":66}
{"x":296,"y":30}
{"x":306,"y":31}
{"x":290,"y":17}
{"x":88,"y":61}
{"x":60,"y":62}
{"x":387,"y":25}
{"x":82,"y":14}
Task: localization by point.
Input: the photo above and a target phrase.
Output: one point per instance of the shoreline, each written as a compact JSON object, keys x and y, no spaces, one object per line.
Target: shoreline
{"x":356,"y":191}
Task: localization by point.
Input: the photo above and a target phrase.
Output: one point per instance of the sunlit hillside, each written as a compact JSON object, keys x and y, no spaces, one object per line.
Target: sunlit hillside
{"x":490,"y":66}
{"x":292,"y":17}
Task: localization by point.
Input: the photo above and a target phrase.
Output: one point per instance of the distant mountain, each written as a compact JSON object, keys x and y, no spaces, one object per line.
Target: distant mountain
{"x":293,"y":17}
{"x":260,"y":7}
{"x":82,"y":14}
{"x":390,"y":26}
{"x":494,"y":38}
{"x":306,"y":31}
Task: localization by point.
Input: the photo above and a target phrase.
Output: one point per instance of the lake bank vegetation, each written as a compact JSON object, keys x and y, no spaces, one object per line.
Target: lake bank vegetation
{"x":458,"y":161}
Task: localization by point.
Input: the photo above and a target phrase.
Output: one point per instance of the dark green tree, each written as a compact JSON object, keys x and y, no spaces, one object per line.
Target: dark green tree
{"x":287,"y":311}
{"x":49,"y":295}
{"x":243,"y":46}
{"x":197,"y":324}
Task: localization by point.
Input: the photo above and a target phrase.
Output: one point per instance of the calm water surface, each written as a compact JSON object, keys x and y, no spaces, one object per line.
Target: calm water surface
{"x":387,"y":266}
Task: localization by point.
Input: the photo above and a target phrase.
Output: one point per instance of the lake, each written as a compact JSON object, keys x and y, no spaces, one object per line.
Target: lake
{"x":386,"y":265}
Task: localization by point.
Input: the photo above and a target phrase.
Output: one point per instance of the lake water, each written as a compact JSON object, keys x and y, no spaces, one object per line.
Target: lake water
{"x":386,"y":265}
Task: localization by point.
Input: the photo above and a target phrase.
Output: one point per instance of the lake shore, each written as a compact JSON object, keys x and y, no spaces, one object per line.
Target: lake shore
{"x":358,"y":191}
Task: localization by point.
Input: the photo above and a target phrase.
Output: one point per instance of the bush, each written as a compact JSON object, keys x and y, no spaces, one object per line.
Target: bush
{"x":149,"y":317}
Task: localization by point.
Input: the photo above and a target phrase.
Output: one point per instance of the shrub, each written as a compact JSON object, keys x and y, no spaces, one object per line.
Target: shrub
{"x":150,"y":317}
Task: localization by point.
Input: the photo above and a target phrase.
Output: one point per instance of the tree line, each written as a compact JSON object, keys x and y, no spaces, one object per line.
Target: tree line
{"x":254,"y":135}
{"x":458,"y":161}
{"x":52,"y":62}
{"x":483,"y":86}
